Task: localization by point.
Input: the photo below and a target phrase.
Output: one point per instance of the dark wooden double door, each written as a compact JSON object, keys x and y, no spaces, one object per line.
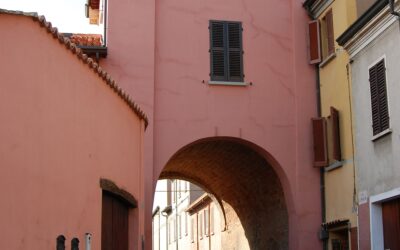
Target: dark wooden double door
{"x":391,"y":224}
{"x":114,"y":228}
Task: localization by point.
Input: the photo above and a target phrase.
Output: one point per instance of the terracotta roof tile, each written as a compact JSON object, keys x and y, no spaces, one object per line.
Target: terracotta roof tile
{"x":85,"y":39}
{"x":84,"y":58}
{"x":94,"y":4}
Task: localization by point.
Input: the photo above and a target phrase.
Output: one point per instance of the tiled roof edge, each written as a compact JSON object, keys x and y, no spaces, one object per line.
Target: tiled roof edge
{"x":84,"y":58}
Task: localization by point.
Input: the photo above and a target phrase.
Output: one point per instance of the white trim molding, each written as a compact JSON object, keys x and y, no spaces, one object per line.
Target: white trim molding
{"x":376,"y":224}
{"x":371,"y":31}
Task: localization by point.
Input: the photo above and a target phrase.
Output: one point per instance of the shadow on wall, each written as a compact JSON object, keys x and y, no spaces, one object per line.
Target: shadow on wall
{"x":244,"y":183}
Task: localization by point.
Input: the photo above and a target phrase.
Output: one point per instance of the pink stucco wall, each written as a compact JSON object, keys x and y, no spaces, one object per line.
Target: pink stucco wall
{"x":62,"y":129}
{"x":158,"y":51}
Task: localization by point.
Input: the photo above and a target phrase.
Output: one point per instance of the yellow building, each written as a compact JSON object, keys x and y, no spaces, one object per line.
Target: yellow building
{"x":333,"y":129}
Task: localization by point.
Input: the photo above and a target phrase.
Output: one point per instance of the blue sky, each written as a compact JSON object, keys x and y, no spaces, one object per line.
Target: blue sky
{"x":66,"y":15}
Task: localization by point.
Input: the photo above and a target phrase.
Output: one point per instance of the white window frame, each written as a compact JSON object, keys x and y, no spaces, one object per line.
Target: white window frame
{"x":389,"y":130}
{"x":376,"y":223}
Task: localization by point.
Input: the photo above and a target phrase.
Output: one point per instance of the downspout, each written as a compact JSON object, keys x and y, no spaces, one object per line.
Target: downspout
{"x":319,"y":113}
{"x":322,"y":170}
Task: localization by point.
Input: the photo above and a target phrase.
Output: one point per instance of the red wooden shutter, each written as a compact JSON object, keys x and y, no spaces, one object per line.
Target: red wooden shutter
{"x":329,"y":27}
{"x":337,"y":154}
{"x":320,"y":144}
{"x":314,"y":42}
{"x":391,"y":224}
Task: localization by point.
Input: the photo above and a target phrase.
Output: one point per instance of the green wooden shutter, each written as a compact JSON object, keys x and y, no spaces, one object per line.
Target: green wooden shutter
{"x":217,"y":50}
{"x":235,"y":53}
{"x":379,"y":103}
{"x":226,"y":51}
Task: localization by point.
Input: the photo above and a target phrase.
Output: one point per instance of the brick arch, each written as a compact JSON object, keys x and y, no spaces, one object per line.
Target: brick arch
{"x":243,"y":178}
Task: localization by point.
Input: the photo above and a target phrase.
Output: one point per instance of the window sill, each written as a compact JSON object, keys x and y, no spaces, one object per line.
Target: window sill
{"x":226,"y":83}
{"x":381,"y":134}
{"x":327,"y":60}
{"x":333,"y":166}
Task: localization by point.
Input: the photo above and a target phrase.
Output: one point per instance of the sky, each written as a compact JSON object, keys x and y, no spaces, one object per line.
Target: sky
{"x":66,"y":15}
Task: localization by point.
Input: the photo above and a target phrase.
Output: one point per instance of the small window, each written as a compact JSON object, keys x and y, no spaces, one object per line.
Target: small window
{"x":192,"y":229}
{"x":211,"y":220}
{"x":379,"y":102}
{"x":179,"y":184}
{"x":171,"y":231}
{"x":226,"y":51}
{"x":200,"y":225}
{"x":206,"y":222}
{"x":327,"y":36}
{"x":173,"y":191}
{"x":186,"y":223}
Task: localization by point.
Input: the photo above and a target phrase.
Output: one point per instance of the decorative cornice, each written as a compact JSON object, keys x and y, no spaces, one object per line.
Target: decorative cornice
{"x":199,"y":203}
{"x":316,"y":7}
{"x":361,"y":22}
{"x":369,"y":31}
{"x":106,"y":77}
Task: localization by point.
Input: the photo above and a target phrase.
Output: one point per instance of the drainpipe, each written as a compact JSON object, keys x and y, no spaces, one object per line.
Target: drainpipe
{"x":319,"y":113}
{"x":322,"y":171}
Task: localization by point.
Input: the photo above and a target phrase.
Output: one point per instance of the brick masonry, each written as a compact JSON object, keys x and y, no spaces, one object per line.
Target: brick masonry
{"x":244,"y":181}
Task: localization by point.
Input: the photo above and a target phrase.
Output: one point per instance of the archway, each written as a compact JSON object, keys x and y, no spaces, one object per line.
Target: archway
{"x":243,"y":182}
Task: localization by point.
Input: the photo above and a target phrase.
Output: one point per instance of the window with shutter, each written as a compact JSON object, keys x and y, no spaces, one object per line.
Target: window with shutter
{"x":327,"y":36}
{"x":226,"y":51}
{"x":379,"y":102}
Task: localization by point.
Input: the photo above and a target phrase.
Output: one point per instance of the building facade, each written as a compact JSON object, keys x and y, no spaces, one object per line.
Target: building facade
{"x":333,"y":131}
{"x":186,"y":217}
{"x":372,"y":42}
{"x":229,"y":94}
{"x":63,"y":164}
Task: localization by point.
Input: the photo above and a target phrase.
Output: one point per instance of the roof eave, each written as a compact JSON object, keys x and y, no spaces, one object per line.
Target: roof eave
{"x":360,"y":23}
{"x":98,"y":51}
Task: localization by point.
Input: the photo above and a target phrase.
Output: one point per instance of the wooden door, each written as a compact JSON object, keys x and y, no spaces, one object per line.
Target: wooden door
{"x":391,"y":224}
{"x":114,"y":228}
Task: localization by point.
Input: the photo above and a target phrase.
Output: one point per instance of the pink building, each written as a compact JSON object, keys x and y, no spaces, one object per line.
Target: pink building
{"x":71,"y":143}
{"x":230,"y":96}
